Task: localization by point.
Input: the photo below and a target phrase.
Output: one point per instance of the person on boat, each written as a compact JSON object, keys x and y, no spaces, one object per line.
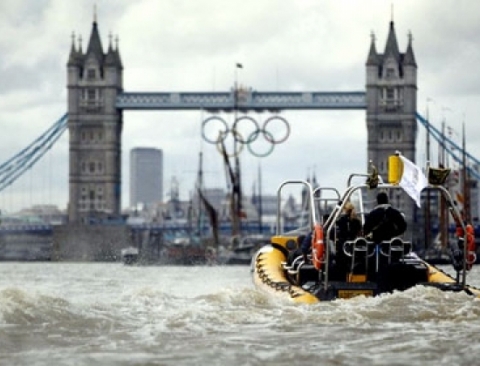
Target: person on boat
{"x":384,"y":222}
{"x":348,"y":227}
{"x":293,"y":254}
{"x":306,"y":245}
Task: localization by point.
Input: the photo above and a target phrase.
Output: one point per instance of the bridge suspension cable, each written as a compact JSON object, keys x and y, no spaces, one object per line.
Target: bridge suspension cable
{"x":443,"y":140}
{"x":14,"y":167}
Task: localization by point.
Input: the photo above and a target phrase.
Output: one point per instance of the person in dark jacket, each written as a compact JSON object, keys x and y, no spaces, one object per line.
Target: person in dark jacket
{"x":306,"y":245}
{"x":384,"y":222}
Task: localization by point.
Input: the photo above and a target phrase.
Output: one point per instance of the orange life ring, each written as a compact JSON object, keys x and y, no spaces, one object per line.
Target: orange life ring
{"x":471,"y":246}
{"x":318,"y":247}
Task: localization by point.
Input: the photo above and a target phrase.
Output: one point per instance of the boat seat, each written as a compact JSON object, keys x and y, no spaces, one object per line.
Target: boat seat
{"x":394,"y":250}
{"x":292,"y":269}
{"x":360,"y":251}
{"x":300,"y":271}
{"x":306,"y":273}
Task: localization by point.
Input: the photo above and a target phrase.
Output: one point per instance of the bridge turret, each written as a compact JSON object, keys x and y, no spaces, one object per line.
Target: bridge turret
{"x":74,"y":63}
{"x":113,"y":75}
{"x":391,"y":47}
{"x":373,"y":71}
{"x":410,"y":77}
{"x":74,"y":73}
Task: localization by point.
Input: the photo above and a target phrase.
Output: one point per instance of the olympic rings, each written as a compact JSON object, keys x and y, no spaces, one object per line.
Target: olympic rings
{"x":287,"y":128}
{"x":224,"y":133}
{"x":252,"y":134}
{"x":268,"y":137}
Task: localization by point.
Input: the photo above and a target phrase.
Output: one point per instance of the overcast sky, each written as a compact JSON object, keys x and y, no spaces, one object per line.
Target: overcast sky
{"x":283,"y":45}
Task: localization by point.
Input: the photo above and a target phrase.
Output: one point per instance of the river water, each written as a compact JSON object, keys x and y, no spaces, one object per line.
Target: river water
{"x":112,"y":314}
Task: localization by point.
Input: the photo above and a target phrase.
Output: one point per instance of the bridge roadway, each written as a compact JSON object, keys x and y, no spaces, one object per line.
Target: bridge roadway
{"x":244,"y":100}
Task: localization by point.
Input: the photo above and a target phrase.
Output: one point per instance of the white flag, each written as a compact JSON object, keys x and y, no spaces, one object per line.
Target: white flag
{"x":413,"y":180}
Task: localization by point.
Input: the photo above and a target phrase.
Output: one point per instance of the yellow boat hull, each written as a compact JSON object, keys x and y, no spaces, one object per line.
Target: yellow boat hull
{"x":270,"y":276}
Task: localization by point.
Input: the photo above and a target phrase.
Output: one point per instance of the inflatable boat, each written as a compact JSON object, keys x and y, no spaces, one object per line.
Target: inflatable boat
{"x":359,"y":266}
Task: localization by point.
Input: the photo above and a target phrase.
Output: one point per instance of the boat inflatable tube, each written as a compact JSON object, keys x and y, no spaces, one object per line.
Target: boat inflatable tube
{"x":269,"y":276}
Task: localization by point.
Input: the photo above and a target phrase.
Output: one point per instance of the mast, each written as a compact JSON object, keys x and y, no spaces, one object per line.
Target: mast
{"x":427,"y":206}
{"x":465,"y":178}
{"x":443,"y":214}
{"x":236,"y":197}
{"x":200,"y":188}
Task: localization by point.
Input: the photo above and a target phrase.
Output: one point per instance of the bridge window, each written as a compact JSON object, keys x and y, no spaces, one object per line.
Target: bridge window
{"x":390,"y":73}
{"x":100,"y":167}
{"x":382,"y":136}
{"x":390,"y":94}
{"x":91,"y":94}
{"x":91,"y":74}
{"x":91,"y":167}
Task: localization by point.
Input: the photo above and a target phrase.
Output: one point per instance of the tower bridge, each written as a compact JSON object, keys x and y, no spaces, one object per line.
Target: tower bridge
{"x":97,"y":100}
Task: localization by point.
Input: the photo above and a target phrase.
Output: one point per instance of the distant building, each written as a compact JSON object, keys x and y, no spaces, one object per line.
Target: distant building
{"x":146,"y":176}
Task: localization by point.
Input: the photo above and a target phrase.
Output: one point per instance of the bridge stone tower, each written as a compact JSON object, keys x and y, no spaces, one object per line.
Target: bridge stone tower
{"x":94,"y":79}
{"x":391,"y":97}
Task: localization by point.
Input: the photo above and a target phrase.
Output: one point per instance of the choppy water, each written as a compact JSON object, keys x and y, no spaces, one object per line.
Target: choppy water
{"x":111,"y":314}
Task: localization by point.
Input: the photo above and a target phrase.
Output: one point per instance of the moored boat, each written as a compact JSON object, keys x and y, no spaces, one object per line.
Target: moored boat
{"x":129,"y":255}
{"x":358,"y":266}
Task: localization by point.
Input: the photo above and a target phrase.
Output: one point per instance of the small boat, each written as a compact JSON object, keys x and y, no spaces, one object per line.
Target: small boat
{"x":129,"y":255}
{"x":373,"y":268}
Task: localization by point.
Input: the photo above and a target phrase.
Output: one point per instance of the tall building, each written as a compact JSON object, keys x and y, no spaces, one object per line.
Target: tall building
{"x":391,"y":95}
{"x":146,"y":176}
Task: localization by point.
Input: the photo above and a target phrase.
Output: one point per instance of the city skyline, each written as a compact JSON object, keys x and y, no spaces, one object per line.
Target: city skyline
{"x":191,"y":54}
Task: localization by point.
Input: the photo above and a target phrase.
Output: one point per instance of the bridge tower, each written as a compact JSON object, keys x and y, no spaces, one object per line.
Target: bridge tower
{"x":391,"y":98}
{"x":94,"y":79}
